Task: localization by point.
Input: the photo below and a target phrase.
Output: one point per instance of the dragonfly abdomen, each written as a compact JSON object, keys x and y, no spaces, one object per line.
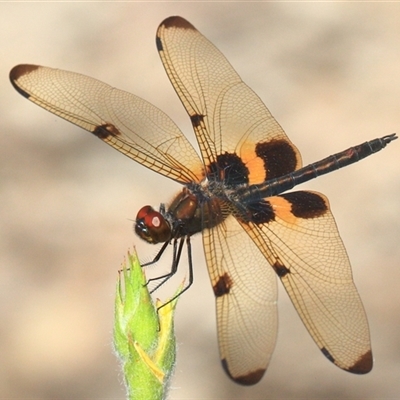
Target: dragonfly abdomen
{"x":340,"y":160}
{"x":311,"y":171}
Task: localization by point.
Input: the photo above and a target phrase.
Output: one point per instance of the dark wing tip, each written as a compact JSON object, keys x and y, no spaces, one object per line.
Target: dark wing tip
{"x":20,"y":70}
{"x":249,"y":379}
{"x":177,"y":22}
{"x":17,"y":72}
{"x":363,"y":365}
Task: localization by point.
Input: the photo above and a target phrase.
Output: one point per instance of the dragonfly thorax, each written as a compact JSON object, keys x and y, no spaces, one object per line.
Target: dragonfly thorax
{"x":190,"y":211}
{"x":182,"y":218}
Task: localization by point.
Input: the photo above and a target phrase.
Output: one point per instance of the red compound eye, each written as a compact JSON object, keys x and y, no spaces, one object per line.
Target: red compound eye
{"x":144,"y":211}
{"x":151,"y":226}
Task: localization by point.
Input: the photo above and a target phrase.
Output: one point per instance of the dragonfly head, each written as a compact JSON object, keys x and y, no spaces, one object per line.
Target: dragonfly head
{"x":151,"y":226}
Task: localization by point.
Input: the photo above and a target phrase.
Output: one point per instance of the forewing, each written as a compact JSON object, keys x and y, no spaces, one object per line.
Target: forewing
{"x":246,"y":294}
{"x":128,"y":123}
{"x":226,"y":114}
{"x":298,"y":235}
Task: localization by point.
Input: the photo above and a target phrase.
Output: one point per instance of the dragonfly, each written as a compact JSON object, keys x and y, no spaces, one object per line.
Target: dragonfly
{"x":236,"y":194}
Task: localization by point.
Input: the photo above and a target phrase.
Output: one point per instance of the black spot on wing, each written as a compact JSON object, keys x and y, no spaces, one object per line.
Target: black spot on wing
{"x":363,"y":365}
{"x":306,"y":204}
{"x":106,"y":130}
{"x":251,"y":378}
{"x":260,"y":212}
{"x":280,"y":269}
{"x":196,"y":119}
{"x":228,"y":168}
{"x":223,"y":286}
{"x":279,"y":157}
{"x":328,"y":355}
{"x":159,"y":44}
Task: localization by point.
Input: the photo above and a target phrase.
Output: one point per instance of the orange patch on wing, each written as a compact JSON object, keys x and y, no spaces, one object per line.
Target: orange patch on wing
{"x":254,"y":164}
{"x":283,"y":209}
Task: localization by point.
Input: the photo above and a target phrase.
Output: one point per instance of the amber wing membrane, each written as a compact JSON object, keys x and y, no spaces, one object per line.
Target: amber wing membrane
{"x":227,"y":115}
{"x":128,"y":123}
{"x":246,"y":292}
{"x":303,"y":245}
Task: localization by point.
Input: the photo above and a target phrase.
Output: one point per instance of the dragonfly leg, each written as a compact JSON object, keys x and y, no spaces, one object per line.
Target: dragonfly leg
{"x":175,"y":261}
{"x":190,"y":263}
{"x":158,"y":255}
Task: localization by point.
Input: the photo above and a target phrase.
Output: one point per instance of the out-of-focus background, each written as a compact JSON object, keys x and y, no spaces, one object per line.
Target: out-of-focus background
{"x":329,"y":73}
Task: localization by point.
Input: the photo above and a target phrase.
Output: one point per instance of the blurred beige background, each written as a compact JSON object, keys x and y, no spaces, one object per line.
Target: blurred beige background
{"x":329,"y":73}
